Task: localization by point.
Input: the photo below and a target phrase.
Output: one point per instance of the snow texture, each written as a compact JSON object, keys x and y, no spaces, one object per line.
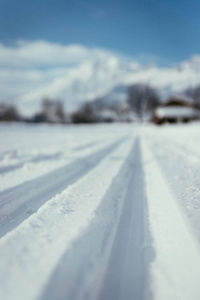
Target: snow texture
{"x":99,"y":212}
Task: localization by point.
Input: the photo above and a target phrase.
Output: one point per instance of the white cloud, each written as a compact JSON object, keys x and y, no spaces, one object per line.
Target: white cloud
{"x":44,"y":54}
{"x":16,"y":82}
{"x":32,"y":65}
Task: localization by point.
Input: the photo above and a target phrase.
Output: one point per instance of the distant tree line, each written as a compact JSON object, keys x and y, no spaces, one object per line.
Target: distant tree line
{"x":140,"y":104}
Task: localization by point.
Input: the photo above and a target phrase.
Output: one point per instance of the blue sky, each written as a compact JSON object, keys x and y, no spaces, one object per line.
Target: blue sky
{"x":165,"y":31}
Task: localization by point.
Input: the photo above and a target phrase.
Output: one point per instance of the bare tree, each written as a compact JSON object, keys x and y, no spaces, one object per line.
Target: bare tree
{"x":8,"y":113}
{"x":53,"y":111}
{"x":143,"y":99}
{"x":60,"y":112}
{"x":86,"y":114}
{"x":194,"y":94}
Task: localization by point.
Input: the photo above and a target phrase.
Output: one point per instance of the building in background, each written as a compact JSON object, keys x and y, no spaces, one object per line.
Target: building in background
{"x":176,"y":110}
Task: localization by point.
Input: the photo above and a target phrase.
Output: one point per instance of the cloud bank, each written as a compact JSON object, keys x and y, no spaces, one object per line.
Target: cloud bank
{"x":44,"y":54}
{"x":31,"y":65}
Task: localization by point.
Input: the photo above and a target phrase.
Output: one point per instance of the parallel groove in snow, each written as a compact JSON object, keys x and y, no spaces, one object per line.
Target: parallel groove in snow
{"x":107,"y":226}
{"x":108,"y":261}
{"x":44,"y":236}
{"x":19,"y":202}
{"x":126,"y":276}
{"x":182,"y":177}
{"x":176,"y":269}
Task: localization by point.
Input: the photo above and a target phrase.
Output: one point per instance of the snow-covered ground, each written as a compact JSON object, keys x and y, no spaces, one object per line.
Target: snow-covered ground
{"x":105,"y":212}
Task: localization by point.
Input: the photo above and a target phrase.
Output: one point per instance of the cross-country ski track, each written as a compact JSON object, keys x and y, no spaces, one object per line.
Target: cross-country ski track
{"x":109,"y":212}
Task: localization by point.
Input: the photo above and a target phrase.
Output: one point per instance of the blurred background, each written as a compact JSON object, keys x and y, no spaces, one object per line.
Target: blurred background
{"x":84,"y":61}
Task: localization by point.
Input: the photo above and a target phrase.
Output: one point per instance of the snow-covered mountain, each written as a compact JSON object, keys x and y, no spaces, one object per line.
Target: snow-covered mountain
{"x":102,"y":75}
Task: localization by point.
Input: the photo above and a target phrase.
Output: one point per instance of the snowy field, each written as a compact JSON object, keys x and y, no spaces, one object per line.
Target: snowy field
{"x":105,"y":212}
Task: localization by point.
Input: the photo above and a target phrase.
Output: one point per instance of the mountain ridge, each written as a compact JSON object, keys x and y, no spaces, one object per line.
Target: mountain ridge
{"x":99,"y":76}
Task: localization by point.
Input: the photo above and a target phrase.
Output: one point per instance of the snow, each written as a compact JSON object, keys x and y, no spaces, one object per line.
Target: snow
{"x":99,"y":212}
{"x":176,"y":112}
{"x":177,"y":259}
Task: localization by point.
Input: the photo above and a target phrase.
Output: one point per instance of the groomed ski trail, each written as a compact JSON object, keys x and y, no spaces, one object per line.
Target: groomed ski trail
{"x":111,"y":224}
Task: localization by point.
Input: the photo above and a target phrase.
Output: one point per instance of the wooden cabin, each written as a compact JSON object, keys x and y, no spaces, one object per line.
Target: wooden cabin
{"x":176,"y":110}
